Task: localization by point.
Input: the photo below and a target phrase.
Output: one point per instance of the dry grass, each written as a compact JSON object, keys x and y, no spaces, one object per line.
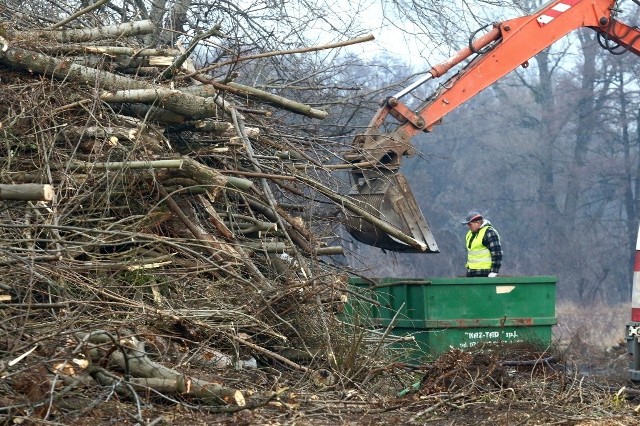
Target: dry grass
{"x":599,"y":325}
{"x":591,"y":338}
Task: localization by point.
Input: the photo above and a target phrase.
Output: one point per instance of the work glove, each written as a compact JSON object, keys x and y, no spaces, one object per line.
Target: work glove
{"x":492,"y":274}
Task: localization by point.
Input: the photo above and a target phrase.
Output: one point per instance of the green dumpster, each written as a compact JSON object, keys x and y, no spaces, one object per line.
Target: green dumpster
{"x":447,"y":313}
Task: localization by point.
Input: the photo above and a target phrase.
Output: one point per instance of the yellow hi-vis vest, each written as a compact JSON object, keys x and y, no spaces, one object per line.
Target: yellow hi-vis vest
{"x":478,"y":256}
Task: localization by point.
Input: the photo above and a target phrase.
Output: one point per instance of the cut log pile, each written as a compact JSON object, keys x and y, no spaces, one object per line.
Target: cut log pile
{"x":142,"y":201}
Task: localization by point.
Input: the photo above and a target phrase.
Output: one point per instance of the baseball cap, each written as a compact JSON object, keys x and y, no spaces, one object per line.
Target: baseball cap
{"x":473,"y":215}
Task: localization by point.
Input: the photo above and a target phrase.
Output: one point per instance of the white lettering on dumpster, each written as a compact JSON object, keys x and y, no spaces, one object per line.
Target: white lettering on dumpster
{"x":472,"y":338}
{"x":483,"y":335}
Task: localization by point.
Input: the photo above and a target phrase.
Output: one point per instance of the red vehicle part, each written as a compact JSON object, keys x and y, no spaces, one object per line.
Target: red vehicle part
{"x":633,"y":328}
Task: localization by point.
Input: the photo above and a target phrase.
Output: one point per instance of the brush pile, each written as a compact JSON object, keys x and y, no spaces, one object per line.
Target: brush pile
{"x":153,"y":217}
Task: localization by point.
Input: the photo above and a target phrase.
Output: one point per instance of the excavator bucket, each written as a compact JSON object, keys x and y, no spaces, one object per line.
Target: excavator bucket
{"x":387,"y":196}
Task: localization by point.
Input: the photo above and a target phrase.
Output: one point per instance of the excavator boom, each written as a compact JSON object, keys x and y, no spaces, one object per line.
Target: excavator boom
{"x":376,"y":156}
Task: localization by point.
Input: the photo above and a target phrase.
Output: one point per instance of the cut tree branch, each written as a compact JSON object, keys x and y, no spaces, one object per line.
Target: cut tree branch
{"x":128,"y":29}
{"x":285,"y":52}
{"x":80,"y":13}
{"x":26,"y":192}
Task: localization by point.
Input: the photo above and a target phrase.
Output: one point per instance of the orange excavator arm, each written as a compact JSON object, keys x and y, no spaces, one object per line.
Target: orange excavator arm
{"x":376,"y":156}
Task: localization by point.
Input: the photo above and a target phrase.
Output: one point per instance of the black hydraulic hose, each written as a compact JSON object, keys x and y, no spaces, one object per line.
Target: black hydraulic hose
{"x":487,"y":48}
{"x":606,"y":44}
{"x":604,"y":39}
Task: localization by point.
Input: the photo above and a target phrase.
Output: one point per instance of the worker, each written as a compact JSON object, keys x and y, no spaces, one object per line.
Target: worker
{"x":484,"y":252}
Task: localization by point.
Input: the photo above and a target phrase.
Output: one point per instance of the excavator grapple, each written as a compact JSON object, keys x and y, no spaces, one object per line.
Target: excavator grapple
{"x":382,"y":192}
{"x":387,"y":196}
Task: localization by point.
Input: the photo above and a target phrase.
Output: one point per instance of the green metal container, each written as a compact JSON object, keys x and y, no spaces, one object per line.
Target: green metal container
{"x":447,"y":313}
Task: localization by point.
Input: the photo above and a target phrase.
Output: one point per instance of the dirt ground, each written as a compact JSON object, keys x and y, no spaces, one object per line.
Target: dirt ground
{"x":578,"y":380}
{"x":491,"y":386}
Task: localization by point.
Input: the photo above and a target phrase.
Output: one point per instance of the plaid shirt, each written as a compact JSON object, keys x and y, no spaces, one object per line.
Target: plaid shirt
{"x":491,"y":240}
